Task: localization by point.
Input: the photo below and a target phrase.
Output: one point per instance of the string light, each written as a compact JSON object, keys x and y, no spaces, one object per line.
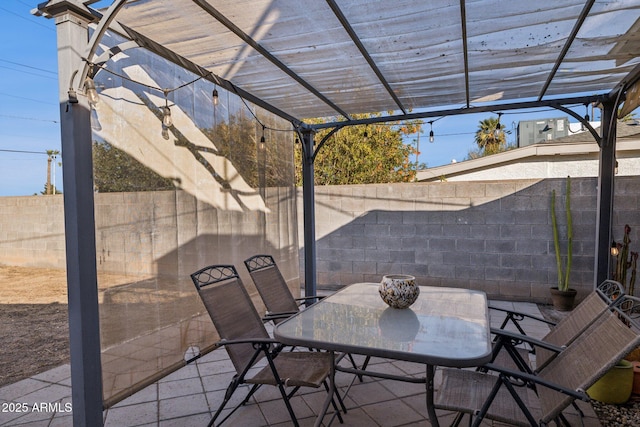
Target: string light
{"x":90,"y":91}
{"x":496,"y":133}
{"x":214,"y":95}
{"x":167,"y":121}
{"x":262,"y":140}
{"x":431,"y":135}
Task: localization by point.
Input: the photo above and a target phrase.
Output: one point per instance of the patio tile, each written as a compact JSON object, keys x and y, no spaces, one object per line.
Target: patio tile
{"x":55,"y":375}
{"x":366,"y":393}
{"x":132,"y":415}
{"x":182,"y":406}
{"x":392,"y":413}
{"x":177,"y":388}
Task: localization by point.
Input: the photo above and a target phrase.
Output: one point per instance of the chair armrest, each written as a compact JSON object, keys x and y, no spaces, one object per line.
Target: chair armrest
{"x":516,"y":338}
{"x":577,"y":394}
{"x":274,"y":316}
{"x":224,"y":342}
{"x":515,"y":316}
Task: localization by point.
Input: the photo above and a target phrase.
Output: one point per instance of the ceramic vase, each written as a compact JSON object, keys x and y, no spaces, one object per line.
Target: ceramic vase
{"x":399,"y":290}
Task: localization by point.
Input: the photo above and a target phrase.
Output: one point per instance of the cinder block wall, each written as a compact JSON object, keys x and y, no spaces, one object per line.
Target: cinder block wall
{"x":495,"y":236}
{"x":153,"y":233}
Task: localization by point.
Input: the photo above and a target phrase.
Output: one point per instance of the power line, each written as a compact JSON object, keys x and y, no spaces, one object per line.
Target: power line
{"x":29,"y":118}
{"x":28,"y":66}
{"x":24,"y":152}
{"x":27,"y":19}
{"x":28,"y":72}
{"x":28,"y":99}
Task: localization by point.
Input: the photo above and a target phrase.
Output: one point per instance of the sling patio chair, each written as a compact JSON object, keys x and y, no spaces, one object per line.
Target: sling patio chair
{"x":247,"y":342}
{"x":276,"y":295}
{"x":607,"y":295}
{"x":494,"y":396}
{"x":609,"y":291}
{"x":273,"y":289}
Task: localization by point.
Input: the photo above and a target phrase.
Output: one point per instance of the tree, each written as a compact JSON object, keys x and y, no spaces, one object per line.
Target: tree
{"x":115,"y":170}
{"x":363,"y":154}
{"x":490,"y":138}
{"x":51,"y":155}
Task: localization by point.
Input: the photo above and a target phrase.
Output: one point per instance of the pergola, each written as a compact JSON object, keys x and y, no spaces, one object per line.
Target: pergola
{"x":335,"y":59}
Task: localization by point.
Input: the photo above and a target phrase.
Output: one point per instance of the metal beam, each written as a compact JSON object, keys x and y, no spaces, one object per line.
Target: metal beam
{"x":567,"y":45}
{"x":469,"y":110}
{"x":465,"y":50}
{"x":363,"y":51}
{"x":264,"y":52}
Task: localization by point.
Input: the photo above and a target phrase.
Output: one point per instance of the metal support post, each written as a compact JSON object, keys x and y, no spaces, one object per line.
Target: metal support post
{"x":72,"y":19}
{"x":604,"y":214}
{"x":308,"y":203}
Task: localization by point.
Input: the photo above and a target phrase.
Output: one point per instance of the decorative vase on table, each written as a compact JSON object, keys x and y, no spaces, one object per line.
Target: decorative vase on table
{"x":399,"y":290}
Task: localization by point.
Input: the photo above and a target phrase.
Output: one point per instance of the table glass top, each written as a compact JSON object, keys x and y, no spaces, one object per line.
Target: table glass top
{"x":445,"y":326}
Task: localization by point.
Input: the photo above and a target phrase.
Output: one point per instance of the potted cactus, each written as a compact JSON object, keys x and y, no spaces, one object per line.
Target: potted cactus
{"x":562,"y":296}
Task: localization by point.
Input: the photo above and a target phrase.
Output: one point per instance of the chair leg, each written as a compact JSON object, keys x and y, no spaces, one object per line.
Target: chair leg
{"x":231,"y":388}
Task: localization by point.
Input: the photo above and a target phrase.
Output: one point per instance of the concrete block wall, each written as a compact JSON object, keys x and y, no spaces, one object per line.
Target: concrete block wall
{"x":495,"y":236}
{"x":153,"y":233}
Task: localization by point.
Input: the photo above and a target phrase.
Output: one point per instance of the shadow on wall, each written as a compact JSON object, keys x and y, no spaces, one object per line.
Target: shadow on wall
{"x":455,"y":234}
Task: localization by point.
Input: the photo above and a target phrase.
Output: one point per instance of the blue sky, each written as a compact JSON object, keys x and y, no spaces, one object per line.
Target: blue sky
{"x":29,"y":111}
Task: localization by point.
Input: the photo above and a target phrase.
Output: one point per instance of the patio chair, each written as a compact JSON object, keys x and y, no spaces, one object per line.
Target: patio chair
{"x":273,"y":289}
{"x":609,"y":291}
{"x":277,"y":297}
{"x":564,"y":379}
{"x":607,"y":295}
{"x":247,"y":342}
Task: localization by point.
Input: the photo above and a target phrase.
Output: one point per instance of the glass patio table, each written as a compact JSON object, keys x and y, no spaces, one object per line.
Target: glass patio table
{"x":444,"y":327}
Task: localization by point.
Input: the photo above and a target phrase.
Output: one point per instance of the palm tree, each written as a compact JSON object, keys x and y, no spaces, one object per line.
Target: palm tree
{"x":490,"y":136}
{"x":51,"y":156}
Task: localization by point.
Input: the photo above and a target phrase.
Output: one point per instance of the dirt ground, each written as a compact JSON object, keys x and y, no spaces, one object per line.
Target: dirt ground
{"x":34,"y":331}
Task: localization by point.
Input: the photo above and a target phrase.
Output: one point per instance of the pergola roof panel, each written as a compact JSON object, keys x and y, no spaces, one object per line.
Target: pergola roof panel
{"x":334,"y":57}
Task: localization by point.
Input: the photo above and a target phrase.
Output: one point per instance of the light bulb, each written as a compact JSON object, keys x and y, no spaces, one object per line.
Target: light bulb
{"x":215,"y":96}
{"x":431,"y":136}
{"x":90,"y":91}
{"x":165,"y":133}
{"x":167,"y":121}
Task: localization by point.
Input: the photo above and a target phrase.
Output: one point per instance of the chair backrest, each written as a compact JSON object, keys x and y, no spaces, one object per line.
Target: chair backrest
{"x":606,"y":295}
{"x":607,"y":341}
{"x":231,"y":310}
{"x":271,"y":285}
{"x":610,"y":291}
{"x":568,"y":329}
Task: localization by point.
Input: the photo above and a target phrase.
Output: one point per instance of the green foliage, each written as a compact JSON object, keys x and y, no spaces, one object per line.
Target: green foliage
{"x":114,"y":171}
{"x":488,"y":140}
{"x":563,"y":273}
{"x":364,"y":154}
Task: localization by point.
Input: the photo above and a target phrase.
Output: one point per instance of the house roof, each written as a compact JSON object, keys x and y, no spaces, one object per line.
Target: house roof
{"x":339,"y":58}
{"x":578,"y":145}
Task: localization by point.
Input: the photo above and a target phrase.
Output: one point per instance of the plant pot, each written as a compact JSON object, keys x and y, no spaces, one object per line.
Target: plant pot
{"x":563,"y":300}
{"x":616,"y":385}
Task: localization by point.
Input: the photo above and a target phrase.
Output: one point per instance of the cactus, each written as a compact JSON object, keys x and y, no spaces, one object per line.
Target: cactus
{"x":563,"y":273}
{"x":626,"y":260}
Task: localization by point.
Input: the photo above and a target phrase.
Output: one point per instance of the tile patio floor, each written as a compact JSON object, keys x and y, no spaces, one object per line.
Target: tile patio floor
{"x":189,"y":396}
